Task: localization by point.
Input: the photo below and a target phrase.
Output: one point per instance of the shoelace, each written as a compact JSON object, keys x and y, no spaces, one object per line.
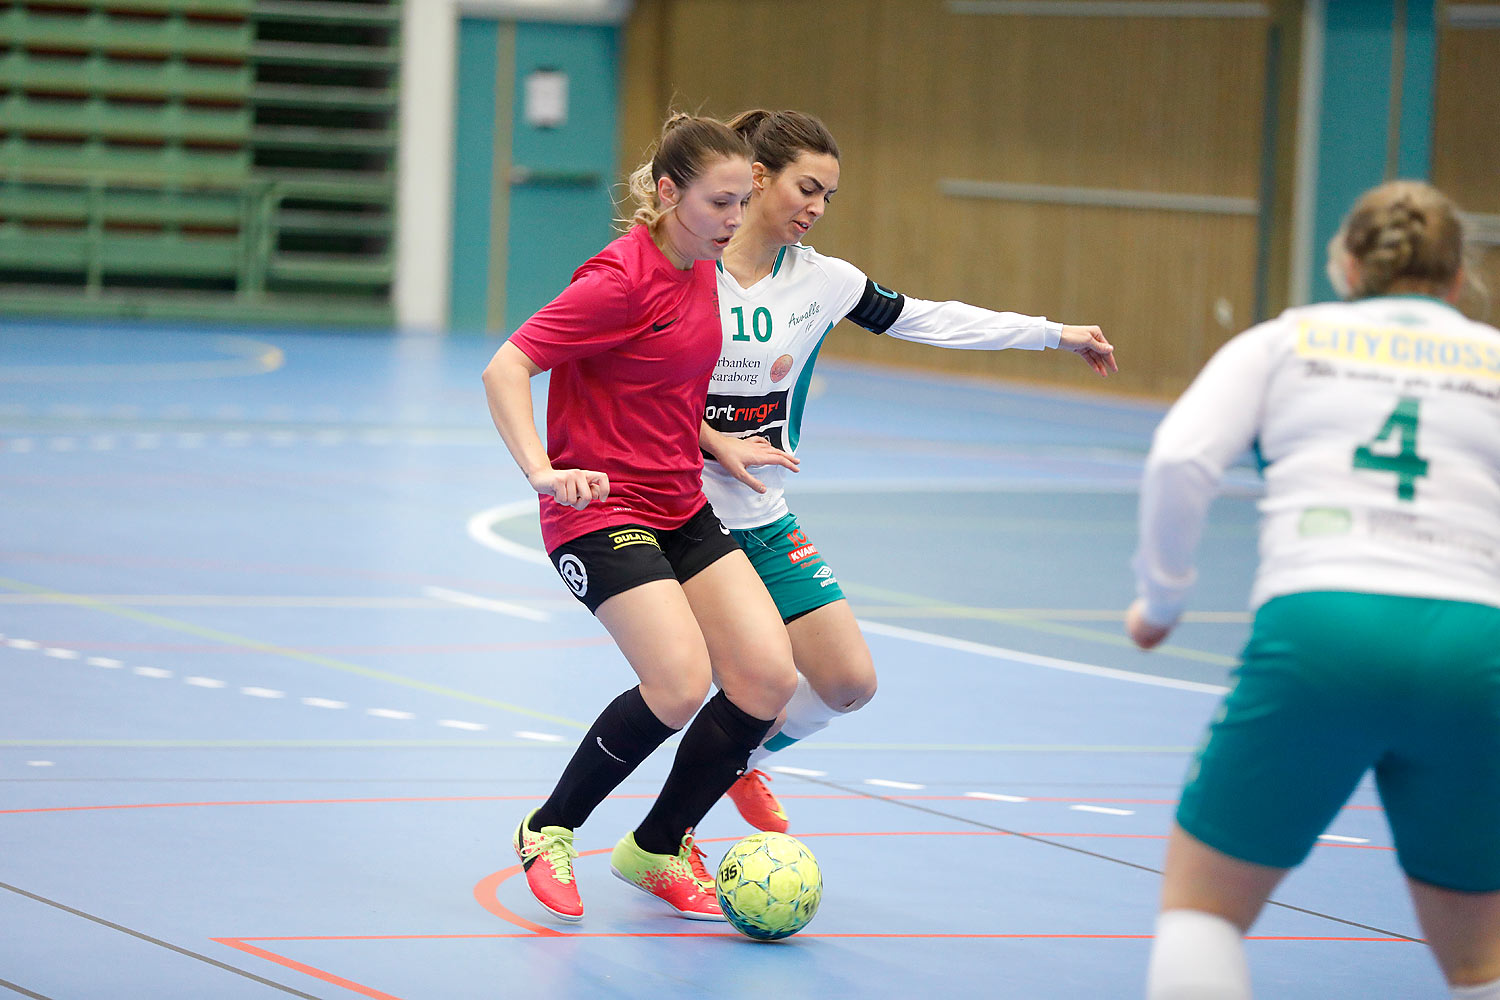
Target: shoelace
{"x":695,"y":859}
{"x":761,"y":778}
{"x":558,"y":853}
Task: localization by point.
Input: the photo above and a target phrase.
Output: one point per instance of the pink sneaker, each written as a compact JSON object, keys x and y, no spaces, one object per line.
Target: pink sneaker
{"x":756,"y":803}
{"x":547,"y":858}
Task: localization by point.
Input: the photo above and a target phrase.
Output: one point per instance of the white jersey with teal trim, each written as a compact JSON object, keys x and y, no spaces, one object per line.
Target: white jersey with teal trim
{"x":772,"y":333}
{"x":1378,"y":426}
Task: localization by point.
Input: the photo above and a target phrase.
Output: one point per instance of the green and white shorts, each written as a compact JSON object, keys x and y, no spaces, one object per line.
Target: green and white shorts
{"x":791,"y":567}
{"x":1334,"y":684}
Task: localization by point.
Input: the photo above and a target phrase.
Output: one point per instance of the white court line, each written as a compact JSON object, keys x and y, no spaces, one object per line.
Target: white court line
{"x":324,"y":703}
{"x":480,"y":530}
{"x":61,"y":654}
{"x":203,"y":682}
{"x":1106,"y":810}
{"x":103,"y":661}
{"x":39,"y":763}
{"x":526,"y":734}
{"x":260,"y":692}
{"x":389,"y":713}
{"x":482,"y":523}
{"x":887,"y":783}
{"x":801,"y":772}
{"x":157,"y":672}
{"x":22,"y":643}
{"x":1343,"y":840}
{"x":1050,"y":662}
{"x":995,"y":797}
{"x":458,"y":724}
{"x":486,"y":604}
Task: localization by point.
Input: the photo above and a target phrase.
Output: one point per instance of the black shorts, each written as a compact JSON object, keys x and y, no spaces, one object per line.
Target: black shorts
{"x":610,"y":561}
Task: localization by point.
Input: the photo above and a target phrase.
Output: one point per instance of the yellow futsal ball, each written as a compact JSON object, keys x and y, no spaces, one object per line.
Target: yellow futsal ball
{"x":769,"y":886}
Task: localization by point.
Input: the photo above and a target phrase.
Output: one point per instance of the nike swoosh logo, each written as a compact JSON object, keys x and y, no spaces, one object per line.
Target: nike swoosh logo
{"x":659,"y":327}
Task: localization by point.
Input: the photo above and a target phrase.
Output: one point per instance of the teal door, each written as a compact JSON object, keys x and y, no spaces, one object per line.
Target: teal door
{"x":535,"y":159}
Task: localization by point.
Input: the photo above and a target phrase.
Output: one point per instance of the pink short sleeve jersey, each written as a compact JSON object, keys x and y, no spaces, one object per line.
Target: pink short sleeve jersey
{"x":630,"y":345}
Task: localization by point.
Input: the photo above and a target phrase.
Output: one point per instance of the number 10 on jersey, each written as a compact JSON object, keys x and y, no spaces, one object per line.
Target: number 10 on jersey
{"x":760,"y":322}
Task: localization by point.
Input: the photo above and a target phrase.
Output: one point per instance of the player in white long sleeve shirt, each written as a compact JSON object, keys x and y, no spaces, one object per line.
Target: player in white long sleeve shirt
{"x":778,"y":299}
{"x":1376,"y":642}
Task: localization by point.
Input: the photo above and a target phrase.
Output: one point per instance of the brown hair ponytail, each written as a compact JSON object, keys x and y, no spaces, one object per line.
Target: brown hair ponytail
{"x":687,"y":145}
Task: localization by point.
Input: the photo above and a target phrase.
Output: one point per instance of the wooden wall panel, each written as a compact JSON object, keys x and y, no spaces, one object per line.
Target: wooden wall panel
{"x":1466,"y":141}
{"x":916,"y":94}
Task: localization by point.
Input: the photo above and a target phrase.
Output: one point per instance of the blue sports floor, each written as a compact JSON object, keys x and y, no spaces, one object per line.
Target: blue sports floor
{"x":282,"y":665}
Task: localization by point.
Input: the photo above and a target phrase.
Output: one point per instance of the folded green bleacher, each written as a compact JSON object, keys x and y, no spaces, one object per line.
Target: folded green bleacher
{"x":199,"y":158}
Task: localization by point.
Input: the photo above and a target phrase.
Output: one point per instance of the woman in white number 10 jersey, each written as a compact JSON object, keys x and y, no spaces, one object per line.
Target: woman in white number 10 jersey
{"x":1376,"y":641}
{"x":778,"y":299}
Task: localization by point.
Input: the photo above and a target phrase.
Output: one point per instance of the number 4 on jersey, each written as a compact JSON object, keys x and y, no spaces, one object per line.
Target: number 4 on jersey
{"x":1405,"y":463}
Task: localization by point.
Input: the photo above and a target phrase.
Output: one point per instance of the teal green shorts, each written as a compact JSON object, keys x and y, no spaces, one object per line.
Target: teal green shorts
{"x":1334,"y":684}
{"x":791,"y":566}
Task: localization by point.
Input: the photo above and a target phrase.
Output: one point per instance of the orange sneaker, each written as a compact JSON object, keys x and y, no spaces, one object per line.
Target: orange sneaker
{"x":547,"y":858}
{"x":680,"y":880}
{"x":756,"y":803}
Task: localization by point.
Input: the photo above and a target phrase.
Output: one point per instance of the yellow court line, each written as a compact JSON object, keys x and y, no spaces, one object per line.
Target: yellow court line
{"x":1043,"y":614}
{"x":246,"y":357}
{"x":912,"y":605}
{"x":244,"y":642}
{"x":233,"y":601}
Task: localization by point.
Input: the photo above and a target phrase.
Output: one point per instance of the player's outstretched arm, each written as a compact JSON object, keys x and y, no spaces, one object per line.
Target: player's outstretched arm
{"x":1089,"y":344}
{"x":738,"y":455}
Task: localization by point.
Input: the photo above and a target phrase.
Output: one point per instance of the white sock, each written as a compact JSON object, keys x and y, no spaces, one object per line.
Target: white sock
{"x":806,"y":714}
{"x":1484,"y":991}
{"x":1197,"y":956}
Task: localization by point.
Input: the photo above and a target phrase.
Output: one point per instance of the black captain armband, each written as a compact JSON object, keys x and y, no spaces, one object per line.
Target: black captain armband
{"x":877,"y":308}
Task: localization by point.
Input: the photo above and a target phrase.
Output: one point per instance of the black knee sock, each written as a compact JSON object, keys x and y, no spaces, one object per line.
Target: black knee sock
{"x":624,"y":735}
{"x":713,"y":752}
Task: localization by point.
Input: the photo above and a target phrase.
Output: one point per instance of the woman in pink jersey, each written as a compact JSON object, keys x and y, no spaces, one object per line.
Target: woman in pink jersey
{"x":631,"y":343}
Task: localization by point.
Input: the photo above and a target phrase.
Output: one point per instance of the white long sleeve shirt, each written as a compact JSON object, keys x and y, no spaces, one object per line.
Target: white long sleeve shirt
{"x":1378,"y":426}
{"x":772,"y":333}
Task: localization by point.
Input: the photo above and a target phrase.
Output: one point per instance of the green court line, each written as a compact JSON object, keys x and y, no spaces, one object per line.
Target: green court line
{"x":187,"y":744}
{"x":996,"y":747}
{"x":914,"y":603}
{"x":1034,"y":614}
{"x":146,"y":744}
{"x":243,"y":642}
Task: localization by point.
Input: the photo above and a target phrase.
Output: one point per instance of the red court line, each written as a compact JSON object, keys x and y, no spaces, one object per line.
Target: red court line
{"x":292,"y":802}
{"x":242,"y":943}
{"x":238,"y":942}
{"x":526,"y":798}
{"x":308,"y":970}
{"x":486,"y":894}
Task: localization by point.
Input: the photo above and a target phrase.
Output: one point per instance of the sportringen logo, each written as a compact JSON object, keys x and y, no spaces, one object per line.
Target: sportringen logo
{"x":741,"y":416}
{"x":573,"y":574}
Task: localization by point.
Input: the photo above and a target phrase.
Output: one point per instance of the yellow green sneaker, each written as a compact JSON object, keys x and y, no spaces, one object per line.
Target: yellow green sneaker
{"x":547,"y":858}
{"x":680,"y":880}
